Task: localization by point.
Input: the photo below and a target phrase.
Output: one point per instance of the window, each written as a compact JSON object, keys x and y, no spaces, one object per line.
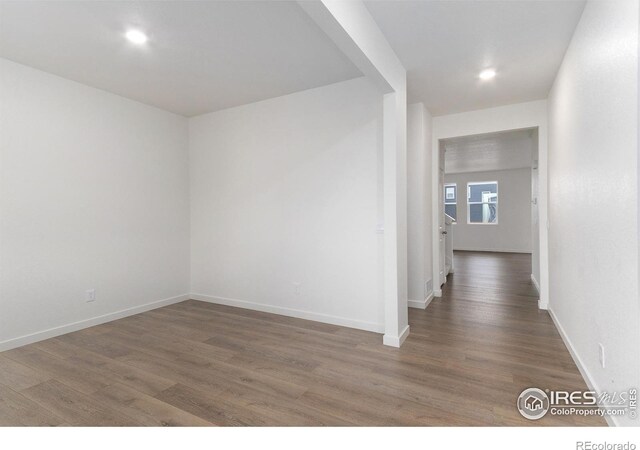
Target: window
{"x":451,"y":200}
{"x":482,"y":202}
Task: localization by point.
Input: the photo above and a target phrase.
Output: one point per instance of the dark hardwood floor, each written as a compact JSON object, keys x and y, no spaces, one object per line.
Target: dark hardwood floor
{"x":469,"y":355}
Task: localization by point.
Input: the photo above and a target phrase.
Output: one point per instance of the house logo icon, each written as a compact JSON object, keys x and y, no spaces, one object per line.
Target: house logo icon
{"x":533,"y":403}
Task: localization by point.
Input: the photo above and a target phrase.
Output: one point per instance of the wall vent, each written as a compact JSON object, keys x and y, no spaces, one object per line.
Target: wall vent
{"x":428,"y":288}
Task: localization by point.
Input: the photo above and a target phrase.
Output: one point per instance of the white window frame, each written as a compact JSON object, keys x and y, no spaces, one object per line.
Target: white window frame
{"x":474,"y":183}
{"x":451,"y":203}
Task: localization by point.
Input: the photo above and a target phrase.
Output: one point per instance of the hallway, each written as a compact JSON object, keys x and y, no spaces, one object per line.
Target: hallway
{"x":492,"y":340}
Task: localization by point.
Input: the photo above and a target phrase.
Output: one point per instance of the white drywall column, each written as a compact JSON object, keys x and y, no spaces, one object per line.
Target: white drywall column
{"x":419,"y":205}
{"x":352,"y":28}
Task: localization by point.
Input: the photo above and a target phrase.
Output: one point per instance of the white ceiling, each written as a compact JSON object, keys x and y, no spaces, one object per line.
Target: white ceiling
{"x":201,"y":56}
{"x":487,"y":152}
{"x":445,"y":44}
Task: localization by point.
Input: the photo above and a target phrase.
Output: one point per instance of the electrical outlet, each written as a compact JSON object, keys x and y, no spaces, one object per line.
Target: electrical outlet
{"x":296,"y":287}
{"x":90,"y":295}
{"x":601,"y":354}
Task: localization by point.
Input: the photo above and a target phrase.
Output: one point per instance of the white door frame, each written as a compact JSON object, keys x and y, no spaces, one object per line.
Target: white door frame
{"x":504,"y":118}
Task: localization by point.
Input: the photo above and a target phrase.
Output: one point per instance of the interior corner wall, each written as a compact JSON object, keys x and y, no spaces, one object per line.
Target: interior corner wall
{"x":418,"y":204}
{"x":593,"y":182}
{"x":94,"y":196}
{"x":512,"y":233}
{"x":286,"y":202}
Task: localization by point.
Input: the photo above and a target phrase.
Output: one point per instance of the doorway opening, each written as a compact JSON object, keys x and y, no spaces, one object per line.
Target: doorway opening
{"x":488,"y":188}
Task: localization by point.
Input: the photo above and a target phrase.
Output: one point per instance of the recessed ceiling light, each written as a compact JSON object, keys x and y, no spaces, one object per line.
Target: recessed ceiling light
{"x":487,"y":74}
{"x":136,"y":36}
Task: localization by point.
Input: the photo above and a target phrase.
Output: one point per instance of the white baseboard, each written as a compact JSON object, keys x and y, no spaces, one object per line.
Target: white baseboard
{"x":396,"y":341}
{"x":543,"y":305}
{"x":493,"y":250}
{"x":420,"y":304}
{"x":611,"y":420}
{"x":300,"y":314}
{"x":75,"y":326}
{"x":535,"y":283}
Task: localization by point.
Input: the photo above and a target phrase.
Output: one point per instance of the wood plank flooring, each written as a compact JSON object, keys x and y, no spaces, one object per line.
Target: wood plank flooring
{"x":469,"y":355}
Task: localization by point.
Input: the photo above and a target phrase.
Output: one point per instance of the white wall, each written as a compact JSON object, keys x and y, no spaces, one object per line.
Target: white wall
{"x":502,"y":118}
{"x":418,"y":204}
{"x":94,"y":195}
{"x":289,"y":191}
{"x":593,"y":181}
{"x":512,"y":233}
